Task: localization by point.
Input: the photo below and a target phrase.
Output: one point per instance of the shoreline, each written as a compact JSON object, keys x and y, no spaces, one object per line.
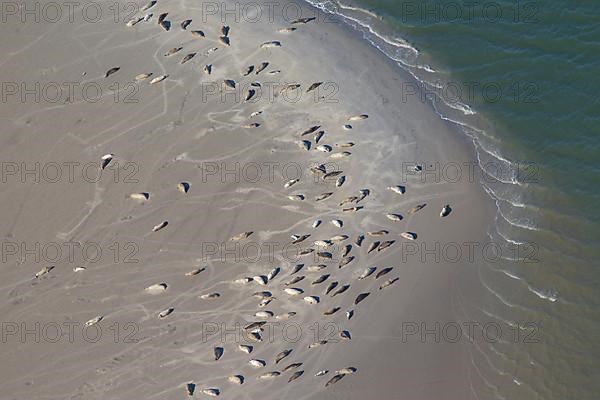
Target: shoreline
{"x":173,"y":135}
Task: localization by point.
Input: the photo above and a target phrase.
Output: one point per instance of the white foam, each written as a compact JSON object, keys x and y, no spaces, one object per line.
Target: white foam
{"x":546,"y":294}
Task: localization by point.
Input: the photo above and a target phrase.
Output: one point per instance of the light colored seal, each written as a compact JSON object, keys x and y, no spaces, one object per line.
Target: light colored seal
{"x":157,"y":288}
{"x":158,"y":79}
{"x":94,"y":320}
{"x":160,"y":226}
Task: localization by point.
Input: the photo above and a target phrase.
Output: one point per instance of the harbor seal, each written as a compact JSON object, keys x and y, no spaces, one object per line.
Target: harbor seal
{"x":409,"y":235}
{"x":295,"y":376}
{"x":285,"y":316}
{"x":416,"y":208}
{"x":111,"y":71}
{"x":132,"y":22}
{"x":248,"y":70}
{"x":256,"y":363}
{"x":347,"y":250}
{"x":293,"y":291}
{"x":160,"y":226}
{"x":241,"y":236}
{"x":320,"y":279}
{"x":331,"y":311}
{"x":310,"y":130}
{"x":148,"y":5}
{"x":387,"y":283}
{"x":185,"y":23}
{"x":269,"y":375}
{"x":373,"y":246}
{"x":331,"y":286}
{"x":314,"y":86}
{"x":261,"y":67}
{"x":445,"y":211}
{"x":345,"y":261}
{"x":291,"y":183}
{"x":187,"y":58}
{"x":165,"y":313}
{"x":361,"y":297}
{"x":166,"y":25}
{"x":385,"y":245}
{"x":246,"y":348}
{"x":190,"y":387}
{"x":157,"y":288}
{"x":323,"y":196}
{"x":367,"y":272}
{"x":294,"y":280}
{"x":270,"y":44}
{"x":183,"y":187}
{"x":212,"y":392}
{"x":338,"y":223}
{"x":341,"y":290}
{"x":210,"y":296}
{"x":397,"y":189}
{"x":141,"y":77}
{"x":381,"y":232}
{"x":292,"y":366}
{"x":218,"y":353}
{"x":394,"y":217}
{"x":359,"y":239}
{"x":304,"y":20}
{"x":225,"y":40}
{"x":343,"y":154}
{"x":237,"y":379}
{"x":195,"y":271}
{"x":263,"y":314}
{"x":282,"y":355}
{"x":106,"y":159}
{"x":158,"y":79}
{"x":336,"y":378}
{"x":94,"y":320}
{"x":383,"y":271}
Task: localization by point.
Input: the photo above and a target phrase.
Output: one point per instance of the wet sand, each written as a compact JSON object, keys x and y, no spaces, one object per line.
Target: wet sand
{"x":192,"y":128}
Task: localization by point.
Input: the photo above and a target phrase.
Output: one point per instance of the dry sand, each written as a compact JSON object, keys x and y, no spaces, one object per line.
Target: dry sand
{"x":182,"y":130}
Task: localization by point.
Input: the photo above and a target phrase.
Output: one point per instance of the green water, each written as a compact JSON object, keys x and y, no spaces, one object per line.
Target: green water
{"x":544,"y":58}
{"x":532,"y":69}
